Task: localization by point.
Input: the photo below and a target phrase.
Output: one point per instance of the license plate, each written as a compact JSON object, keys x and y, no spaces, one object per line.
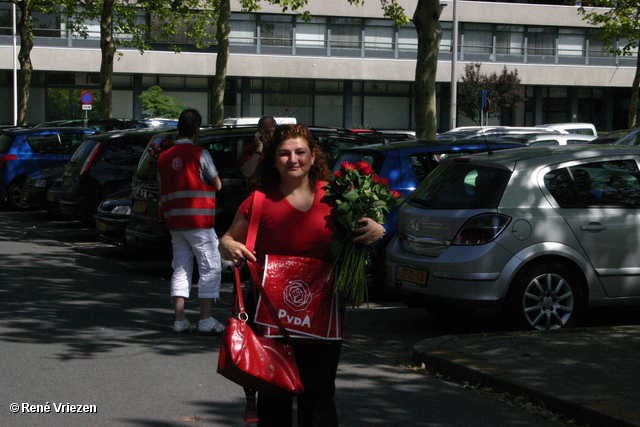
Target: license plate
{"x":50,"y":197}
{"x":66,"y":182}
{"x":413,"y":275}
{"x":140,"y":206}
{"x":101,"y":226}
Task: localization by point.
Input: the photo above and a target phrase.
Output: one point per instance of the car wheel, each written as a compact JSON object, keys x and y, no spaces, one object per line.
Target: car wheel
{"x":15,"y":198}
{"x":546,"y":296}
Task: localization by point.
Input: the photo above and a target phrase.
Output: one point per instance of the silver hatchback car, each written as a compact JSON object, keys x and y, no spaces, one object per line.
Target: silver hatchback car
{"x":541,"y":232}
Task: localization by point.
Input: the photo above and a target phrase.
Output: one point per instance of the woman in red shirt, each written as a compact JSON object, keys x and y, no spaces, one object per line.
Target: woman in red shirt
{"x":295,"y":220}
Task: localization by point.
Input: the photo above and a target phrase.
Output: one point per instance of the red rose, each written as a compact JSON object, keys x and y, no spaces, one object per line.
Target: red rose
{"x":337,"y":174}
{"x":394,"y":194}
{"x":364,"y":168}
{"x":347,"y":166}
{"x":384,"y":181}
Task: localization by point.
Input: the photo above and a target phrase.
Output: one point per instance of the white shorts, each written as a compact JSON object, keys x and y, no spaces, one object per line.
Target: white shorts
{"x":203,"y":244}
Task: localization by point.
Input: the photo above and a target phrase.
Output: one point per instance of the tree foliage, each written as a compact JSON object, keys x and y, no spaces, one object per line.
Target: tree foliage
{"x":159,"y":104}
{"x":619,"y":23}
{"x":505,"y":92}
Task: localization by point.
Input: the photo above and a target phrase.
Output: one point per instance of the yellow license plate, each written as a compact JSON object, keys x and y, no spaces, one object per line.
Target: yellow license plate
{"x":413,"y":275}
{"x":101,"y":226}
{"x":140,"y":206}
{"x":50,"y":197}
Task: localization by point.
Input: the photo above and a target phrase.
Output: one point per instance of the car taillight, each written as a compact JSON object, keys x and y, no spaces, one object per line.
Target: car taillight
{"x":481,"y":229}
{"x":6,"y":158}
{"x":90,"y":157}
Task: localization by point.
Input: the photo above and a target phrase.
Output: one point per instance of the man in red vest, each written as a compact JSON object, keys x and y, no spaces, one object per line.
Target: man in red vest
{"x":188,"y":184}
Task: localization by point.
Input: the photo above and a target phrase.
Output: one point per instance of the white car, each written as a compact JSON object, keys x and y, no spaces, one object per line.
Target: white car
{"x":537,"y":139}
{"x":541,"y":232}
{"x":575,"y":128}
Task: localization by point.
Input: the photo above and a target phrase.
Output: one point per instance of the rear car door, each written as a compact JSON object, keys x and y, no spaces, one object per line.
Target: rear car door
{"x":601,"y":203}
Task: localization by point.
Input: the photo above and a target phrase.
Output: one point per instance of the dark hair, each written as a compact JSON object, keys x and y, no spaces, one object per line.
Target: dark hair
{"x":267,"y":176}
{"x":263,"y":121}
{"x":189,"y":123}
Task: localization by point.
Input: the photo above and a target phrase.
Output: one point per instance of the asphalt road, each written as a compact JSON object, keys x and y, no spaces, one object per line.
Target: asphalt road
{"x":86,"y":326}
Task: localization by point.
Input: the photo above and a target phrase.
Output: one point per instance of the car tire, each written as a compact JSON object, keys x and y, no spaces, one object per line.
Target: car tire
{"x":546,"y":296}
{"x":14,"y":196}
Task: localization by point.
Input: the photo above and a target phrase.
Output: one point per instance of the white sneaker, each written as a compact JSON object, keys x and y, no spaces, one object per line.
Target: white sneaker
{"x":183,"y":327}
{"x":210,"y":325}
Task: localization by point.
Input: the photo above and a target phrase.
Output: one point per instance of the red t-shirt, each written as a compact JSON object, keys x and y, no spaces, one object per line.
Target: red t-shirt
{"x":285,"y":230}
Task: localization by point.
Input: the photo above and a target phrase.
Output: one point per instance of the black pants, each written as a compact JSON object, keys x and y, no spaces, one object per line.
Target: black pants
{"x":318,"y":365}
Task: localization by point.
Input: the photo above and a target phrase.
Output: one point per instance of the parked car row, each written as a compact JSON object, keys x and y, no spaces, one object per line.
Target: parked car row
{"x":534,"y":231}
{"x":24,"y":151}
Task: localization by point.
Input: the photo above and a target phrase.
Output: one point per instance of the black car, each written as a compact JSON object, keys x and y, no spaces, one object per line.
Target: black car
{"x":37,"y":186}
{"x":146,"y":228}
{"x":225,"y":144}
{"x":113,"y":216}
{"x":103,"y":125}
{"x":99,"y":167}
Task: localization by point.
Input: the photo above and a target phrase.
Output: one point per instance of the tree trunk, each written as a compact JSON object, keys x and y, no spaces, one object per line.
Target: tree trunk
{"x":25,"y":27}
{"x":427,"y":21}
{"x":633,"y":106}
{"x":108,"y":49}
{"x":222,"y":58}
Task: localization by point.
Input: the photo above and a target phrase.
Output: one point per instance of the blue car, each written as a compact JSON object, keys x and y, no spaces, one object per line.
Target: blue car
{"x":24,"y":151}
{"x":405,"y":164}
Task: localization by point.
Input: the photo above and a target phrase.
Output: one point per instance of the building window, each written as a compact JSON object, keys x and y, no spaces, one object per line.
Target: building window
{"x":478,"y":38}
{"x":379,"y":34}
{"x":445,"y":42}
{"x":571,"y":42}
{"x":408,"y":38}
{"x":509,"y":39}
{"x":276,"y":30}
{"x":541,"y":41}
{"x":346,"y":33}
{"x":312,"y":33}
{"x":243,"y":29}
{"x":597,"y":48}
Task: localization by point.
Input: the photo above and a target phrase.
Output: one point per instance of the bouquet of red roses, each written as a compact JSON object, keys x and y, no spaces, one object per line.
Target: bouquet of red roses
{"x":357,"y":192}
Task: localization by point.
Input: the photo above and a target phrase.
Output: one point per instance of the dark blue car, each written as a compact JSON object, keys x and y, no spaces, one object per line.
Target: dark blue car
{"x":24,"y":151}
{"x":405,"y":164}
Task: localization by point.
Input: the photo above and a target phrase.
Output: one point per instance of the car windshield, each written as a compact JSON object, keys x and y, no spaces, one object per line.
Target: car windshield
{"x":461,"y":186}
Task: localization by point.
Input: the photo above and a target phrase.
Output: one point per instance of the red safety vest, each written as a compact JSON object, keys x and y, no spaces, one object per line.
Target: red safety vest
{"x":185,"y":201}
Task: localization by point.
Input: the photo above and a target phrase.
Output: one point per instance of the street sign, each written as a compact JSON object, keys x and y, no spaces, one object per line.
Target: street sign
{"x":86,"y":98}
{"x":86,"y":106}
{"x":483,"y":100}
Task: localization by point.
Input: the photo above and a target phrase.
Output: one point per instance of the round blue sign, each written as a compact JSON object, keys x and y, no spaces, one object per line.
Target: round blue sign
{"x":86,"y":98}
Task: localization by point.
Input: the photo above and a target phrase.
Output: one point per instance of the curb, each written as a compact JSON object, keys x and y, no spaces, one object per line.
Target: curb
{"x":462,"y":367}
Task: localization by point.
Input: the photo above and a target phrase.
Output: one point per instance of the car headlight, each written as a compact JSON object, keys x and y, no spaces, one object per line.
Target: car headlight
{"x":122,"y":210}
{"x":40,"y":183}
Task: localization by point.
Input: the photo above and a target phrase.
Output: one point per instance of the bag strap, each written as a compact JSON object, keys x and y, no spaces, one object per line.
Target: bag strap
{"x":254,"y":222}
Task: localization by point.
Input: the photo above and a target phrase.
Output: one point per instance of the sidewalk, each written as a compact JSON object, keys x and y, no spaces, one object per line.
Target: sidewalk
{"x":588,"y":374}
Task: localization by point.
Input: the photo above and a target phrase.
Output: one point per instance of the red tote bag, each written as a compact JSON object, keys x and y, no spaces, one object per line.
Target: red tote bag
{"x":302,"y":293}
